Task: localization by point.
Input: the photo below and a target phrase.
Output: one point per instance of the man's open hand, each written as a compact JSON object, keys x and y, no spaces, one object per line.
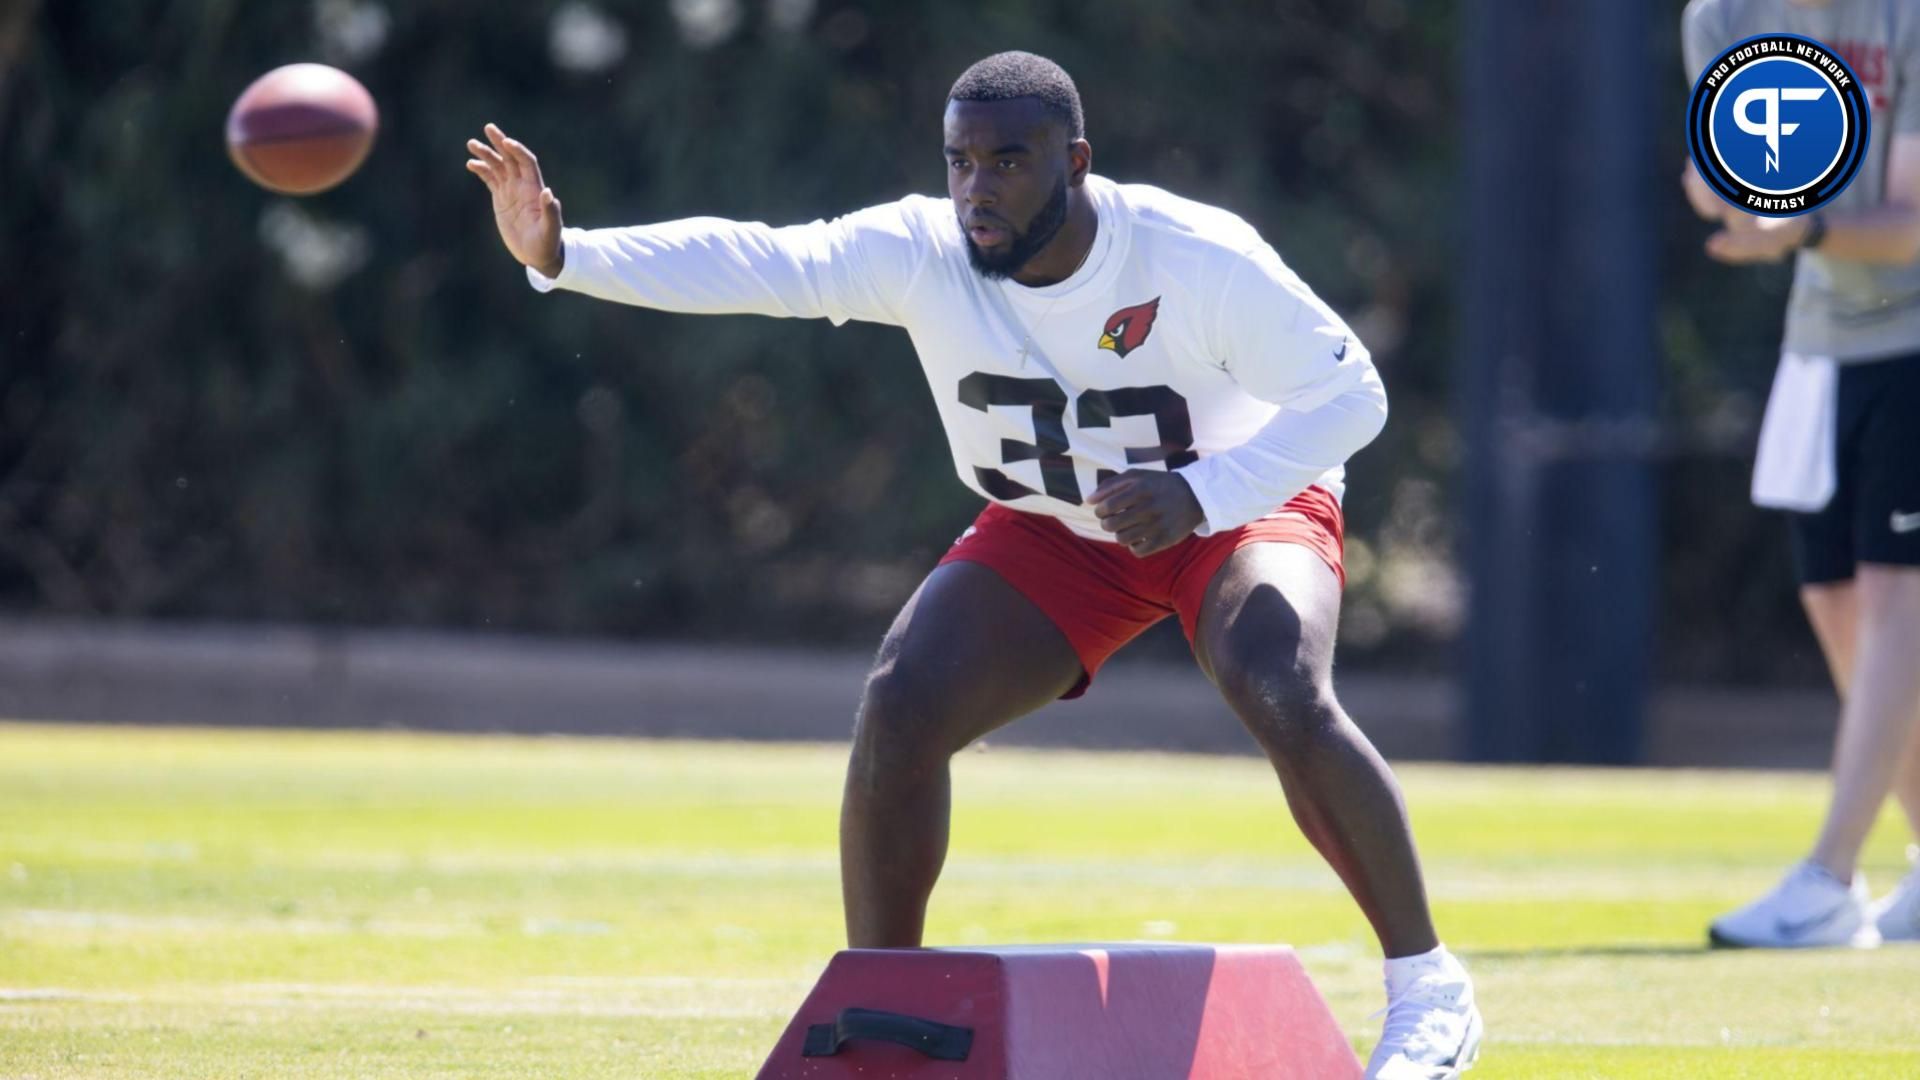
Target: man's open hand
{"x":1146,"y":510}
{"x":524,"y":208}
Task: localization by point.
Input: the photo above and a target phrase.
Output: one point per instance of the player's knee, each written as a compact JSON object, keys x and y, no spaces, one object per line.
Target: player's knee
{"x":1279,"y":698}
{"x":906,"y":721}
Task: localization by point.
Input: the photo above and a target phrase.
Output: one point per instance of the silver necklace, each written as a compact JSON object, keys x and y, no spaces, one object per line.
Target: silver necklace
{"x":1026,"y":343}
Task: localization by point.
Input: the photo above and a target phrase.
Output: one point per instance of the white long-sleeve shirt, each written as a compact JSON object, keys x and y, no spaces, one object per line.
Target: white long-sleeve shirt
{"x":1183,"y":342}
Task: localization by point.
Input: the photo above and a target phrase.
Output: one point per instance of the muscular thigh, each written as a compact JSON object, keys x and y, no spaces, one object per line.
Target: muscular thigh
{"x":970,"y":649}
{"x":1270,"y":608}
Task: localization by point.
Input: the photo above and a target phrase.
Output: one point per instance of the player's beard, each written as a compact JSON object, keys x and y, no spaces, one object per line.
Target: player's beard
{"x":1026,"y":244}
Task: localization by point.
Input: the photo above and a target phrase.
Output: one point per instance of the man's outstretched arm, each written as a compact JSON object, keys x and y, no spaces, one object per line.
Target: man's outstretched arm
{"x":855,"y":267}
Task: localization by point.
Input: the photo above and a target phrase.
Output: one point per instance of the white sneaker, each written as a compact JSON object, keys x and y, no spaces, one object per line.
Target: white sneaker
{"x":1809,"y":909}
{"x":1433,"y":1028}
{"x":1897,"y":915}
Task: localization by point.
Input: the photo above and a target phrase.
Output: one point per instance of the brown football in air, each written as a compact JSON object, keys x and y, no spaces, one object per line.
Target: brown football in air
{"x":302,"y":128}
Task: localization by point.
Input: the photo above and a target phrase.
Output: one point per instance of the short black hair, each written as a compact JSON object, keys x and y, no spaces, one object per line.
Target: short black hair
{"x":1008,"y":75}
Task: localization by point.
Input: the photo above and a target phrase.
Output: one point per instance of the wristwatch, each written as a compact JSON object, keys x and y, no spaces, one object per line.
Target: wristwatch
{"x":1816,"y":232}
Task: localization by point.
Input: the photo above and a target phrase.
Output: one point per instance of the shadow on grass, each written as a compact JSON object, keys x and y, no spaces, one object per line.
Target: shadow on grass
{"x":1567,"y":952}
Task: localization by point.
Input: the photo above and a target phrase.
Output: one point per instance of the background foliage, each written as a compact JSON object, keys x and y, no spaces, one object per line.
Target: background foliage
{"x":215,"y":402}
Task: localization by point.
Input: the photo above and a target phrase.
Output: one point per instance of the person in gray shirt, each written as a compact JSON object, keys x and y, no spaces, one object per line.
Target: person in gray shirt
{"x":1840,"y":451}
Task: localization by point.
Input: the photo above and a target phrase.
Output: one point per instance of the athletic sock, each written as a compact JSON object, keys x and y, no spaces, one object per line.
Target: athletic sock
{"x":1403,"y":969}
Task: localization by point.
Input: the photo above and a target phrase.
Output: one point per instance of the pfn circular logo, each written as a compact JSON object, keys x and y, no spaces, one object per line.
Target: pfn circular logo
{"x":1778,"y":125}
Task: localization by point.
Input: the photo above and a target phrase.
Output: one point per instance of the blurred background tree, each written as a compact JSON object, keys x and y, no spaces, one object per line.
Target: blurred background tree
{"x":219,"y":403}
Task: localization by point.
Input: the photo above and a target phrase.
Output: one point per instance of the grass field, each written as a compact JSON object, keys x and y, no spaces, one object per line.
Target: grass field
{"x":187,"y":903}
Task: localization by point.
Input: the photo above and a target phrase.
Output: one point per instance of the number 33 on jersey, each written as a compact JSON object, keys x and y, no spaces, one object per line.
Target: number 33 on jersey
{"x":1182,"y":343}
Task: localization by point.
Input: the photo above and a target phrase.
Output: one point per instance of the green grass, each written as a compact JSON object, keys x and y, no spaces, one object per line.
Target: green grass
{"x":186,"y":903}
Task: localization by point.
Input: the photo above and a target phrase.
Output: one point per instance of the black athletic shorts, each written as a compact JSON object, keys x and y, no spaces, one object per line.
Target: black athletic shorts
{"x":1875,"y":513}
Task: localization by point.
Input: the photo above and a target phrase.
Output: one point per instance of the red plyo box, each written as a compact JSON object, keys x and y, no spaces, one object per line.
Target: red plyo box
{"x":1064,"y":1012}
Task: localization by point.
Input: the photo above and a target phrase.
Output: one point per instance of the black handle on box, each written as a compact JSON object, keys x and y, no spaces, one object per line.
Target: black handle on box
{"x":942,"y":1042}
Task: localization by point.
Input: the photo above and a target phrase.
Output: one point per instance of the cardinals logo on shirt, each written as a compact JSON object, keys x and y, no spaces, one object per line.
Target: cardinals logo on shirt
{"x":1127,"y":329}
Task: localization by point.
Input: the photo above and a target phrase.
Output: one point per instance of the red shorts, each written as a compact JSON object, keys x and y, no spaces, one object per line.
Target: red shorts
{"x":1102,"y":597}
